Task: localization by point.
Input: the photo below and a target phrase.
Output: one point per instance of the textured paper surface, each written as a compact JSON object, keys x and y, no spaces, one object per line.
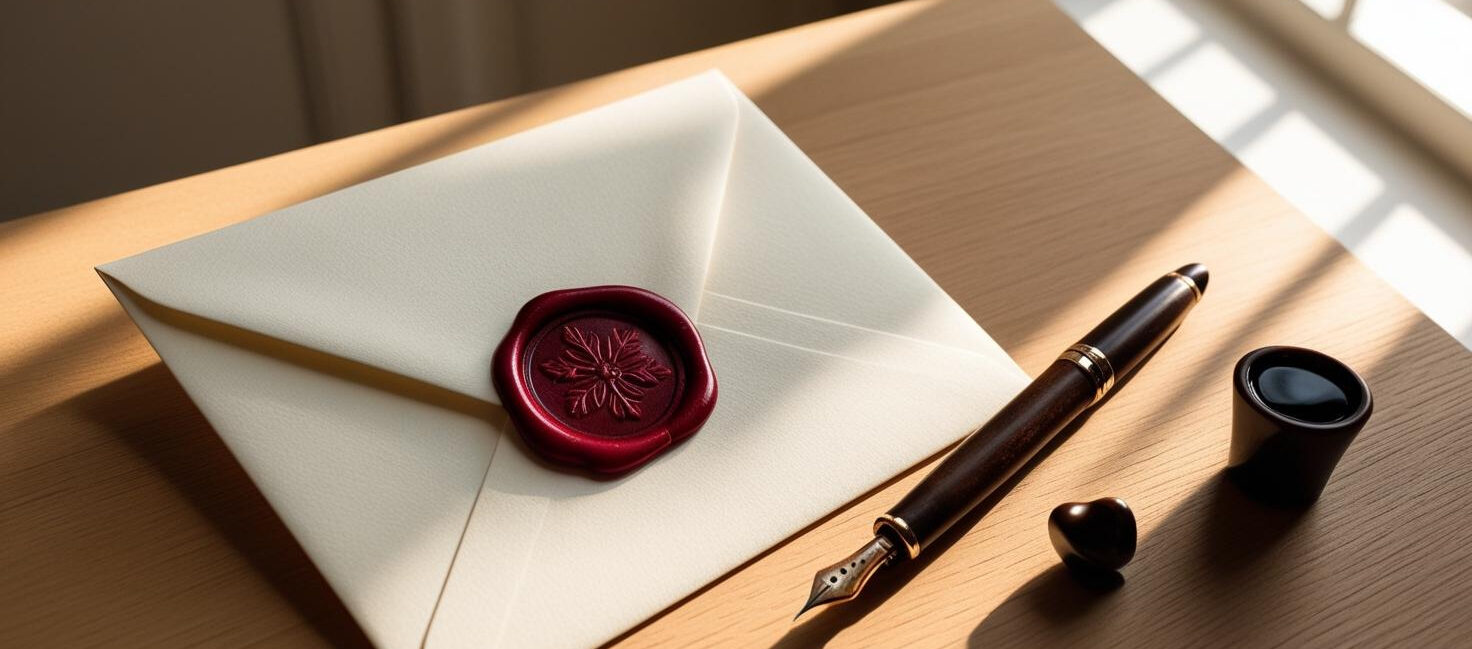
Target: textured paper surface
{"x":341,"y":348}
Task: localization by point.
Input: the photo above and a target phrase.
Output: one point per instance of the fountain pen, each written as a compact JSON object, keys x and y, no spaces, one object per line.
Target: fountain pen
{"x":987,"y":458}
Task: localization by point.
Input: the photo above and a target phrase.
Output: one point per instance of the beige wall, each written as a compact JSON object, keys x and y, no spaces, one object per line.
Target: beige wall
{"x":101,"y":97}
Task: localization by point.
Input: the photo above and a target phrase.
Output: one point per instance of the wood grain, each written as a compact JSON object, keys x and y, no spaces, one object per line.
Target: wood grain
{"x":1033,"y":176}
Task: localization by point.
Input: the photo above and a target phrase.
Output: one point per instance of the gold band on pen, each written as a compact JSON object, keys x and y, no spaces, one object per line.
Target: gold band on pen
{"x":1190,"y":283}
{"x":1095,"y":365}
{"x":902,"y":530}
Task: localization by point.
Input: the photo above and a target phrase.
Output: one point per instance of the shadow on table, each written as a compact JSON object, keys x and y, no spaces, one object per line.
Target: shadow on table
{"x":172,"y":436}
{"x":1214,"y":542}
{"x":829,"y":621}
{"x":1059,"y":596}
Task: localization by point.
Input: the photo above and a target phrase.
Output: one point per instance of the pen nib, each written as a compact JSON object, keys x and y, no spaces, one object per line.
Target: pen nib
{"x":842,"y":581}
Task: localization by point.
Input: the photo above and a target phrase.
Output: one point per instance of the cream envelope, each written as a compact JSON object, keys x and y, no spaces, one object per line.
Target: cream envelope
{"x":341,"y":349}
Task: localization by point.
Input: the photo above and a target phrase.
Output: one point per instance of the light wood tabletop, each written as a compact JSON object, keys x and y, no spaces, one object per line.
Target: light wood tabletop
{"x":1034,"y":177}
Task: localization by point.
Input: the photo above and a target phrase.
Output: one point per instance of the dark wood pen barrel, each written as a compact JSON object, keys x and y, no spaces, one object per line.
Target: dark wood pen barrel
{"x":1134,"y":330}
{"x":994,"y":452}
{"x":990,"y":456}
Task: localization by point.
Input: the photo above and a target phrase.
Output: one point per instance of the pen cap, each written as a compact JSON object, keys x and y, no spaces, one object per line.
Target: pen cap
{"x":1294,"y":413}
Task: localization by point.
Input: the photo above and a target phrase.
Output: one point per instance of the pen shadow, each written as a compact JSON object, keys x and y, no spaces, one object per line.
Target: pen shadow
{"x":829,"y":621}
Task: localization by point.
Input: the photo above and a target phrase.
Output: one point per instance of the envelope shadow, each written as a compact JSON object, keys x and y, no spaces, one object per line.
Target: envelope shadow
{"x":199,"y":466}
{"x":316,"y":360}
{"x":361,"y":374}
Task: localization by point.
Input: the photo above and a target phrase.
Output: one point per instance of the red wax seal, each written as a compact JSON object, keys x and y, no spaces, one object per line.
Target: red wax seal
{"x":603,"y":378}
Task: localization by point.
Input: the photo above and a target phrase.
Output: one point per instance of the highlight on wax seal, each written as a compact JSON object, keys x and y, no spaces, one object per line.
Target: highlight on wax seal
{"x":603,"y":378}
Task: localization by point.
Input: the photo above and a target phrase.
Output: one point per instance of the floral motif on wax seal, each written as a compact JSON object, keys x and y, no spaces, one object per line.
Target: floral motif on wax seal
{"x":611,"y":371}
{"x":603,"y":378}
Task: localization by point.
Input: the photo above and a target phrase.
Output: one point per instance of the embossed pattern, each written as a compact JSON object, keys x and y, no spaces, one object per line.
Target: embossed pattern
{"x":612,"y":372}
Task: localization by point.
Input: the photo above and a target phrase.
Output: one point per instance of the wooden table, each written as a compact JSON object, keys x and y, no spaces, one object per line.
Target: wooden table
{"x":1032,"y":175}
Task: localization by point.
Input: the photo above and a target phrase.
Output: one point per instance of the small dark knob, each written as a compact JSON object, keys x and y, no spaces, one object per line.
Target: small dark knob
{"x":1097,"y":535}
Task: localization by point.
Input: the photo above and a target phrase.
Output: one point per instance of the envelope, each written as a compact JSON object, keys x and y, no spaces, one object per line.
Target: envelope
{"x":341,"y":349}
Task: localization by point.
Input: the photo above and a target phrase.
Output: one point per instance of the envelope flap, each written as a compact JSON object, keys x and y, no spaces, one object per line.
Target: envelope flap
{"x":841,"y":363}
{"x":791,"y":239}
{"x":420,"y":272}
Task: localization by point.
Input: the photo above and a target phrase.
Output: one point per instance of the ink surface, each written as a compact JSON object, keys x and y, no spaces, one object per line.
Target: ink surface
{"x":1303,"y":395}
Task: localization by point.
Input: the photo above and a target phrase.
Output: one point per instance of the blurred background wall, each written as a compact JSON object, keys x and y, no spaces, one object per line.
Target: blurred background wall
{"x":102,"y":96}
{"x":98,"y":97}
